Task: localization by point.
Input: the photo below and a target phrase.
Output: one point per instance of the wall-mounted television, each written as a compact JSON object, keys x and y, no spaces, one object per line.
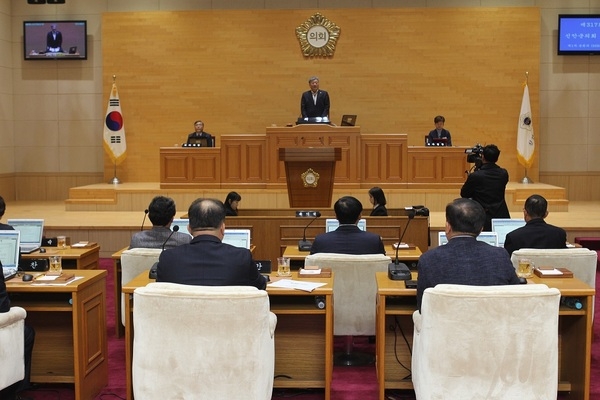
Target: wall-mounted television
{"x":578,"y":34}
{"x":55,"y":40}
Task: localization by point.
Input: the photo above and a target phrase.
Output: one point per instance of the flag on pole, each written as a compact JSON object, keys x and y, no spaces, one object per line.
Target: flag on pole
{"x":114,"y":129}
{"x":525,"y":138}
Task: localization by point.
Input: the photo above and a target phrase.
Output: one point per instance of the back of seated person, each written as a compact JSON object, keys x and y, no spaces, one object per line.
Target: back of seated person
{"x":161,"y":212}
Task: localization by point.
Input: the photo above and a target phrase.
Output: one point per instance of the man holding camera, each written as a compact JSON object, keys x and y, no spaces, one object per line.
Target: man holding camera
{"x":487,"y":185}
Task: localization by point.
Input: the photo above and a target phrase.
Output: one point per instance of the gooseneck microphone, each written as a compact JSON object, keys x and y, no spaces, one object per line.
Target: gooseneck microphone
{"x":175,"y":229}
{"x":398,"y":271}
{"x":305,"y":245}
{"x":144,"y":220}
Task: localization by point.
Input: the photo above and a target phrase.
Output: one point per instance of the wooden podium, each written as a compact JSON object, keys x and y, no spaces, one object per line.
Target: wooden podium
{"x":309,"y":175}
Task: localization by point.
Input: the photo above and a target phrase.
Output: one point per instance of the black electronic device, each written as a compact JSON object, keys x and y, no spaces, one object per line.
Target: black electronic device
{"x":411,"y":284}
{"x":152,"y":272}
{"x":348,"y":120}
{"x":263,"y":266}
{"x":27,"y":277}
{"x":70,"y":42}
{"x":33,"y":264}
{"x":320,"y":302}
{"x":42,"y":250}
{"x":144,"y":220}
{"x":175,"y":229}
{"x":49,"y":242}
{"x":305,"y":245}
{"x":398,"y":271}
{"x":578,"y":34}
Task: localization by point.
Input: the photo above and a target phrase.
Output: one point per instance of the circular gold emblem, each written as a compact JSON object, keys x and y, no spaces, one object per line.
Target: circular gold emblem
{"x":318,"y":36}
{"x":310,"y":178}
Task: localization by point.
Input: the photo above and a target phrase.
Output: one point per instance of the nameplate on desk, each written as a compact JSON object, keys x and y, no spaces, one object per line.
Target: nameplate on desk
{"x":551,"y":272}
{"x":314,"y":273}
{"x":81,"y":245}
{"x":404,"y":246}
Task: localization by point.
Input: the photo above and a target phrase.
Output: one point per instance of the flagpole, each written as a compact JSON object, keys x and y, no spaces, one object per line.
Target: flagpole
{"x":115,"y":180}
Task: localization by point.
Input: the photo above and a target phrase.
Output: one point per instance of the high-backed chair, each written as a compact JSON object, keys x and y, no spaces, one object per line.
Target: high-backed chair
{"x":134,"y":262}
{"x":354,"y":297}
{"x":486,"y":342}
{"x":12,"y":346}
{"x":581,"y":261}
{"x":202,"y":342}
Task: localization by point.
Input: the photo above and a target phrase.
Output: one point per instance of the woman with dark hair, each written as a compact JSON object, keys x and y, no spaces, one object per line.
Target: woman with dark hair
{"x":231,"y":204}
{"x":377,"y":198}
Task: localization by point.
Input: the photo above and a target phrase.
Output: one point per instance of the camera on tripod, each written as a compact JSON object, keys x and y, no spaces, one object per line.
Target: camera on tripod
{"x":475,"y":155}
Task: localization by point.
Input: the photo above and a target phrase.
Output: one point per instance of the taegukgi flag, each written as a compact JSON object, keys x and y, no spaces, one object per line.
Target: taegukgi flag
{"x":114,"y":129}
{"x":525,"y":138}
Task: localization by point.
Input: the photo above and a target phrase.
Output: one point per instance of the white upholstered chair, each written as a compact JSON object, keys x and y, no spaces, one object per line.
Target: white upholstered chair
{"x":12,"y":346}
{"x":354,"y":296}
{"x":202,"y":342}
{"x":486,"y":342}
{"x":134,"y":262}
{"x":581,"y":261}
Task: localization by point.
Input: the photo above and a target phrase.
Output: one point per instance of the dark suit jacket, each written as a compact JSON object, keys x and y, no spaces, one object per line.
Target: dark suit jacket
{"x":486,"y":186}
{"x":207,"y":261}
{"x":445,"y":134}
{"x":309,"y":109}
{"x":6,"y":227}
{"x":464,"y":261}
{"x":54,"y":43}
{"x":208,"y":136}
{"x":379,"y":211}
{"x":4,"y":300}
{"x":536,"y":234}
{"x":348,"y":239}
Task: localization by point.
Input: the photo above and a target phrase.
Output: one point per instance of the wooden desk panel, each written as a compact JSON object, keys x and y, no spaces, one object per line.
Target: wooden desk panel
{"x":72,"y":257}
{"x":190,"y":166}
{"x":396,"y":304}
{"x":427,"y":164}
{"x":70,"y":339}
{"x":299,"y":322}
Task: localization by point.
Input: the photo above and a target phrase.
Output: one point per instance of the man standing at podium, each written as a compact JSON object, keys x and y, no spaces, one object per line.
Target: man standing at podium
{"x":314,"y":102}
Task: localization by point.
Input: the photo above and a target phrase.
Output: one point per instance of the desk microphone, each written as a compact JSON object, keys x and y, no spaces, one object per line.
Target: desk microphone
{"x":398,"y":271}
{"x":144,"y":220}
{"x":305,"y":245}
{"x":175,"y":229}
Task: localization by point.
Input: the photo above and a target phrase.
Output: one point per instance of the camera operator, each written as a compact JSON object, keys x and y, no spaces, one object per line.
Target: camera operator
{"x":486,"y":186}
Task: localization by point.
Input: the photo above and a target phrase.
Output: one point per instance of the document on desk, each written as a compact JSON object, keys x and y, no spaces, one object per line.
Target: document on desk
{"x":46,"y":280}
{"x":299,"y":285}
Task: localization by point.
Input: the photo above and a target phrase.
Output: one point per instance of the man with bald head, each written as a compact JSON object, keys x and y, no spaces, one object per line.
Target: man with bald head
{"x":206,"y":260}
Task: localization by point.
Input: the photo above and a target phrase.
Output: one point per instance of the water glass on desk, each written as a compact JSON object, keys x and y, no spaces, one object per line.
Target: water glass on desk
{"x":61,"y":242}
{"x":55,"y":268}
{"x":283,"y":266}
{"x":525,"y":268}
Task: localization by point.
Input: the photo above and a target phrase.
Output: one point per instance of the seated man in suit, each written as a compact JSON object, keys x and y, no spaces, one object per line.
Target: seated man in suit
{"x":348,"y":238}
{"x":439,"y":132}
{"x":536,"y":234}
{"x":464,"y":260}
{"x":200,"y":134}
{"x":206,"y":260}
{"x":161,"y":212}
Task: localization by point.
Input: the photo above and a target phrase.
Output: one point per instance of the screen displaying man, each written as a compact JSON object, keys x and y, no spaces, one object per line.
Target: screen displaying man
{"x":54,"y":40}
{"x":314,"y":102}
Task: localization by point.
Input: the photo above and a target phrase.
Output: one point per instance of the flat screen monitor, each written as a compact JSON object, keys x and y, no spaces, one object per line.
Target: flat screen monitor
{"x":331,"y":224}
{"x":438,"y":142}
{"x":348,"y":120}
{"x":55,"y":40}
{"x":237,"y":237}
{"x":503,"y":226}
{"x":578,"y":34}
{"x":490,"y":238}
{"x":9,"y":248}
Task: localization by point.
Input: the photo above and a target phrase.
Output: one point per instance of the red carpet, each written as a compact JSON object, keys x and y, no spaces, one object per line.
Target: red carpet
{"x":349,"y":383}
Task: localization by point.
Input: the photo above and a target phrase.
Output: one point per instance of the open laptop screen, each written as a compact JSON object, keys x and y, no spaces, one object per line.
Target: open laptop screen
{"x":9,"y":248}
{"x":331,"y":224}
{"x":503,"y":226}
{"x":31,"y":230}
{"x":237,"y":237}
{"x":490,"y":238}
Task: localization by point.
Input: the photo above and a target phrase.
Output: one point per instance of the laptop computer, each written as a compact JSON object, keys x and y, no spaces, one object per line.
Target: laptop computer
{"x":438,"y":142}
{"x":503,"y":226}
{"x":237,"y":238}
{"x":331,"y":224}
{"x":9,"y":252}
{"x":490,"y":238}
{"x":73,"y":50}
{"x":348,"y":120}
{"x":31,"y":230}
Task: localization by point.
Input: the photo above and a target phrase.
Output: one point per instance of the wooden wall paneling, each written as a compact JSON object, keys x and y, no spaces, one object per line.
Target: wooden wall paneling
{"x":244,"y":159}
{"x":383,"y":159}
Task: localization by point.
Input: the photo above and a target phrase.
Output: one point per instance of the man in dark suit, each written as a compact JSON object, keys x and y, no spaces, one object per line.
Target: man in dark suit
{"x":4,"y":227}
{"x":536,"y":234}
{"x":439,"y":132}
{"x":11,"y":392}
{"x":54,"y":40}
{"x":464,"y":260}
{"x":200,"y":134}
{"x":206,"y":260}
{"x":315,"y":102}
{"x":348,"y":238}
{"x":487,"y":185}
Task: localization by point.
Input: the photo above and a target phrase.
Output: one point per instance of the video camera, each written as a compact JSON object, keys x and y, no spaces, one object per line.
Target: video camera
{"x":475,"y":155}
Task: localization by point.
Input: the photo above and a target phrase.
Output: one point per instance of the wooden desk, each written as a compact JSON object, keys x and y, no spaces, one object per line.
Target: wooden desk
{"x":72,"y":258}
{"x":408,"y":256}
{"x":70,"y":340}
{"x":299,"y":324}
{"x":396,"y":304}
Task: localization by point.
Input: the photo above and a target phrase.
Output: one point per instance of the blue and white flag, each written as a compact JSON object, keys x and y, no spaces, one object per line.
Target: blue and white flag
{"x":114,"y":129}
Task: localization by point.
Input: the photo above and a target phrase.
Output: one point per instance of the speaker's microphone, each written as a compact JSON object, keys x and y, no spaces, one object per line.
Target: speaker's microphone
{"x":175,"y":229}
{"x":398,"y":271}
{"x":144,"y":220}
{"x":305,"y":245}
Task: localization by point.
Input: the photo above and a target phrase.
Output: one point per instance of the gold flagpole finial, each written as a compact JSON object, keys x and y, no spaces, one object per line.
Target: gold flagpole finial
{"x":114,"y":78}
{"x":526,"y":77}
